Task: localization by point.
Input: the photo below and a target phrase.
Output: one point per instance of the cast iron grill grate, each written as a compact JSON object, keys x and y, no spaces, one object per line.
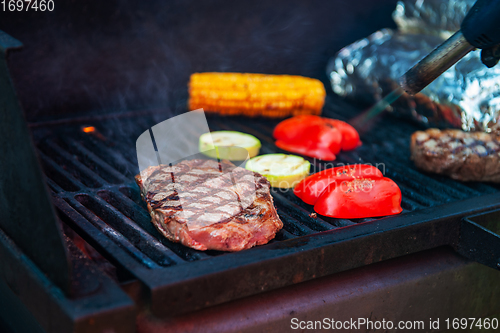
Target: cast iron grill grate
{"x":90,"y":176}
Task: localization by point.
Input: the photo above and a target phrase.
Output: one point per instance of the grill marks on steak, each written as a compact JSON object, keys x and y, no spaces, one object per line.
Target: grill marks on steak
{"x":202,"y":195}
{"x":461,"y":155}
{"x":209,"y":205}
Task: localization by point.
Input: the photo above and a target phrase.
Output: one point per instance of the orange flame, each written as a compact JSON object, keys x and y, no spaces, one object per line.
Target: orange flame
{"x":88,"y":129}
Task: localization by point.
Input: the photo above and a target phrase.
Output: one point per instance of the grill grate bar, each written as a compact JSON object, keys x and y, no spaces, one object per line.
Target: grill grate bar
{"x":300,"y":214}
{"x":112,"y":234}
{"x":144,"y":220}
{"x":136,"y":235}
{"x":121,"y":161}
{"x":339,"y":223}
{"x":58,"y":175}
{"x":113,"y":176}
{"x":411,"y":179}
{"x":107,"y":247}
{"x":230,"y":124}
{"x":467,"y":189}
{"x":409,"y":204}
{"x":338,"y":109}
{"x":85,"y":175}
{"x":128,"y":207}
{"x":459,"y":190}
{"x":293,"y":226}
{"x":410,"y":193}
{"x":284,"y":235}
{"x":483,"y":188}
{"x":267,"y":147}
{"x":454,"y":192}
{"x":437,"y":197}
{"x":266,"y":125}
{"x":135,"y":213}
{"x":53,"y":186}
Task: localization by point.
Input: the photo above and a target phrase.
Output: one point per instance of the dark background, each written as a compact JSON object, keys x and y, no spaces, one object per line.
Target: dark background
{"x":94,"y":56}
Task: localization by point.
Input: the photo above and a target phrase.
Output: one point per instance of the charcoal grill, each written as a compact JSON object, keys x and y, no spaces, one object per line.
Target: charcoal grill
{"x":110,"y":241}
{"x":92,"y":187}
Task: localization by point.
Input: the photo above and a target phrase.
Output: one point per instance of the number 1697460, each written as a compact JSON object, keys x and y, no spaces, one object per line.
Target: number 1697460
{"x":28,"y":5}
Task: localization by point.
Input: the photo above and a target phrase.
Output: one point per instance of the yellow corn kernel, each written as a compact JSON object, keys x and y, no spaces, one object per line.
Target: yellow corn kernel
{"x":256,"y":94}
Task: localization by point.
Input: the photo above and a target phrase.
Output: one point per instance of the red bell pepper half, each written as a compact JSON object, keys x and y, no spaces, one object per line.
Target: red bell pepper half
{"x":360,"y":198}
{"x":315,"y":136}
{"x":310,"y":188}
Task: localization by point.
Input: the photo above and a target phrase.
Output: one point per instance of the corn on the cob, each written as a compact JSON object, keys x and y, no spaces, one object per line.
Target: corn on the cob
{"x":255,"y":94}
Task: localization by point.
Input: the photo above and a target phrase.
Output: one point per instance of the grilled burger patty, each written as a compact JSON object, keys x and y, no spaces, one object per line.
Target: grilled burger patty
{"x":465,"y":156}
{"x":208,"y":205}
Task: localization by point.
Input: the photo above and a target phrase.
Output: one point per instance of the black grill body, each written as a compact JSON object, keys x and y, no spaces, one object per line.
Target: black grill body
{"x":112,"y":262}
{"x":90,"y":176}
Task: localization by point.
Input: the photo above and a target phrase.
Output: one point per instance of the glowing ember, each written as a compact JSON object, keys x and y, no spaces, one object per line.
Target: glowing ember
{"x":88,"y":129}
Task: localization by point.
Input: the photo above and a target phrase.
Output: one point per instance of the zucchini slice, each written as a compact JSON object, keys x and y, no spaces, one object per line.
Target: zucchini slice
{"x":283,"y":171}
{"x":227,"y":145}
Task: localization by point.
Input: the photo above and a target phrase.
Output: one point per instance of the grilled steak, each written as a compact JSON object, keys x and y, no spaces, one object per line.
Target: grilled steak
{"x":461,"y":155}
{"x":208,"y":205}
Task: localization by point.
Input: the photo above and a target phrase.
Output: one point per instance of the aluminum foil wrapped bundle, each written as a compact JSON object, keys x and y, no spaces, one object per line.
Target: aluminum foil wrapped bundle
{"x":432,"y":17}
{"x":466,"y":96}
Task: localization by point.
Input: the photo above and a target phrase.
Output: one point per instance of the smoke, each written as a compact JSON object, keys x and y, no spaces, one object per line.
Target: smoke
{"x":96,"y":57}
